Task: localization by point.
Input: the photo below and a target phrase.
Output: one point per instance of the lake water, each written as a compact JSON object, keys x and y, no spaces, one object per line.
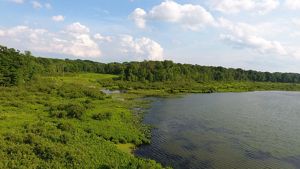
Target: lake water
{"x":258,"y":130}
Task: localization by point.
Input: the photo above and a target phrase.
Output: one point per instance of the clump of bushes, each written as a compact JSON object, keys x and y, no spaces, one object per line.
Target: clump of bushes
{"x":45,"y":152}
{"x":88,"y":104}
{"x":65,"y":126}
{"x":64,"y":138}
{"x":70,"y":110}
{"x":102,"y":116}
{"x":94,"y":93}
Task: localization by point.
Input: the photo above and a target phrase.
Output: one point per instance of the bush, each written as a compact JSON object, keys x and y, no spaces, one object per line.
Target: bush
{"x":44,"y":152}
{"x":65,"y":126}
{"x":88,"y":104}
{"x":71,"y":110}
{"x":74,"y":110}
{"x":29,"y":139}
{"x":58,"y":113}
{"x":102,"y":116}
{"x":64,"y":138}
{"x":70,"y":91}
{"x":94,"y":93}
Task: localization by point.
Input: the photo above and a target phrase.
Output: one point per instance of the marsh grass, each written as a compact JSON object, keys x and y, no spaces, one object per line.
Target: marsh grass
{"x":49,"y":124}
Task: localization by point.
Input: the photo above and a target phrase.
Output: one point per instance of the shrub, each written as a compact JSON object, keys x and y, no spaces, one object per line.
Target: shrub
{"x":102,"y":116}
{"x":64,"y":138}
{"x":58,"y":113}
{"x":70,"y":91}
{"x":74,"y":110}
{"x":71,"y":110}
{"x":122,"y":140}
{"x":88,"y":104}
{"x":44,"y":152}
{"x":29,"y":139}
{"x":13,"y":137}
{"x":94,"y":93}
{"x":65,"y":126}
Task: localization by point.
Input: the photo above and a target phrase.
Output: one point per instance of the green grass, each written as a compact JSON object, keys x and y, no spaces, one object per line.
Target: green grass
{"x":171,"y":87}
{"x":37,"y":133}
{"x":127,"y":148}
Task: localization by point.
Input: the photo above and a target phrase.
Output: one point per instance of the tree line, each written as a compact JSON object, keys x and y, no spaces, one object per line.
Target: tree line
{"x":17,"y":68}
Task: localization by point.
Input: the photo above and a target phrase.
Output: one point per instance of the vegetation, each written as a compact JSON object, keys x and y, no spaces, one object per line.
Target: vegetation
{"x":18,"y":68}
{"x":55,"y":122}
{"x":53,"y":114}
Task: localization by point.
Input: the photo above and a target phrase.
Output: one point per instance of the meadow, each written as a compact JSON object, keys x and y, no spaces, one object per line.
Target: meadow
{"x":67,"y":122}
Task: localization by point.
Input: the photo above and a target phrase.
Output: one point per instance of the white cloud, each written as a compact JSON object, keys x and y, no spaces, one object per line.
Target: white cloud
{"x":235,"y":6}
{"x":58,"y":18}
{"x":296,"y":22}
{"x":2,"y":33}
{"x":17,"y":1}
{"x":78,"y":28}
{"x":141,"y":48}
{"x":292,"y":4}
{"x":139,"y":17}
{"x":101,"y":38}
{"x":242,"y":35}
{"x":82,"y":45}
{"x":193,"y":17}
{"x":70,"y":42}
{"x":76,"y":40}
{"x":36,"y":4}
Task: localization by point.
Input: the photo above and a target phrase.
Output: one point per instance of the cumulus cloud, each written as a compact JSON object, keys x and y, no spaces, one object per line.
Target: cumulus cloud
{"x":58,"y":18}
{"x":193,"y":17}
{"x":235,"y":6}
{"x":141,"y":48}
{"x":78,"y":28}
{"x":292,"y":4}
{"x":139,"y":17}
{"x":77,"y":40}
{"x":102,"y":38}
{"x":242,"y":35}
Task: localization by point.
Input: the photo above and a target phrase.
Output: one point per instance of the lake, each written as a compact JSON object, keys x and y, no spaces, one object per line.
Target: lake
{"x":225,"y":131}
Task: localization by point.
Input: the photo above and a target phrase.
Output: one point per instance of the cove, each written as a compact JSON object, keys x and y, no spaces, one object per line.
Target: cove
{"x":225,"y":130}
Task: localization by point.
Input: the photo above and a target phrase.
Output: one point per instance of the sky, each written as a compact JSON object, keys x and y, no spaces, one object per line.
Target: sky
{"x":262,"y":35}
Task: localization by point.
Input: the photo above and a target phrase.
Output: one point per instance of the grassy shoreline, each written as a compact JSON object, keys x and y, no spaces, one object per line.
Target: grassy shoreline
{"x":66,"y":122}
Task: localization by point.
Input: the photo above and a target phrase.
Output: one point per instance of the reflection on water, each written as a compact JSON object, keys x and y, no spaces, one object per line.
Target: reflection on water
{"x":226,"y":130}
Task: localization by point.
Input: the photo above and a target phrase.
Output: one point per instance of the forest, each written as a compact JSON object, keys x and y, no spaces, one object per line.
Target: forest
{"x":18,"y":68}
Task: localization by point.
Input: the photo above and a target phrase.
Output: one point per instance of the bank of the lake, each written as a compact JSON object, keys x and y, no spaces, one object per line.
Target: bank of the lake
{"x":67,"y":122}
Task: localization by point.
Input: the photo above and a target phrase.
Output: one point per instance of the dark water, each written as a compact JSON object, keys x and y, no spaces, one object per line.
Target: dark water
{"x":226,"y":131}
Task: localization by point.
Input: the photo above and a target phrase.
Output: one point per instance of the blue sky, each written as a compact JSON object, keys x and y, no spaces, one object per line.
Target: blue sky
{"x":251,"y":34}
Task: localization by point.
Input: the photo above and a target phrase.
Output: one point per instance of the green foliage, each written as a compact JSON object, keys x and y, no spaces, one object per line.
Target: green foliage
{"x":70,"y":110}
{"x":68,"y":137}
{"x":102,"y":116}
{"x":17,"y":68}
